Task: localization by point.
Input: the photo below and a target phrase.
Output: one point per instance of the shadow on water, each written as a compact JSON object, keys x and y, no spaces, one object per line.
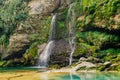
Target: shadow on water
{"x":13,"y":69}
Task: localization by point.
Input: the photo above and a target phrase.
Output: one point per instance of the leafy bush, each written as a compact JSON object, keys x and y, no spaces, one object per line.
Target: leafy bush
{"x":111,"y":51}
{"x":85,"y":49}
{"x":11,"y":13}
{"x":96,"y":38}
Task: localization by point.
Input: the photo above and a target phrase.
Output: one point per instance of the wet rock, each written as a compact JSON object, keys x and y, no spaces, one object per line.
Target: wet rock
{"x":115,"y":67}
{"x":107,"y":63}
{"x":84,"y":65}
{"x":60,"y":53}
{"x":82,"y":59}
{"x":41,"y":48}
{"x":94,"y":60}
{"x":90,"y":59}
{"x":105,"y":66}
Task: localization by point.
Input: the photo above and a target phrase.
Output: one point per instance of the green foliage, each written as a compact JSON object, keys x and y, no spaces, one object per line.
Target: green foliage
{"x":11,"y":13}
{"x":36,"y":38}
{"x":98,"y":12}
{"x":108,"y":9}
{"x":111,"y":51}
{"x":2,"y":63}
{"x":117,"y":59}
{"x":85,"y":49}
{"x":97,"y":38}
{"x":60,"y":30}
{"x":109,"y":54}
{"x":43,"y":29}
{"x":10,"y":10}
{"x":31,"y":53}
{"x":4,"y":40}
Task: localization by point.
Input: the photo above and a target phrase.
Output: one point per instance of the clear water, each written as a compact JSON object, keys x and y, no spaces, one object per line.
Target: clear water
{"x":87,"y":76}
{"x":28,"y":73}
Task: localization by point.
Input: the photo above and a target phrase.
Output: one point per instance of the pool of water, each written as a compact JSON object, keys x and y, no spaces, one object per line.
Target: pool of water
{"x":87,"y":76}
{"x":37,"y":74}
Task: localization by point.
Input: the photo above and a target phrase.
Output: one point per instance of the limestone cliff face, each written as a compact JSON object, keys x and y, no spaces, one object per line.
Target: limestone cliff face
{"x":27,"y":24}
{"x":34,"y":28}
{"x":47,"y":6}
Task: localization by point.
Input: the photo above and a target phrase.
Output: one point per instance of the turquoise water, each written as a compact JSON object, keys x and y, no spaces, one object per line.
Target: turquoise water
{"x":6,"y":69}
{"x":88,"y":76}
{"x":29,"y":73}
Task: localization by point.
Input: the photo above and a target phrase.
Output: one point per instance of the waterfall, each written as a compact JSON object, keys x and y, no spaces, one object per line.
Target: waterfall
{"x":71,"y":20}
{"x":52,"y":28}
{"x":45,"y":55}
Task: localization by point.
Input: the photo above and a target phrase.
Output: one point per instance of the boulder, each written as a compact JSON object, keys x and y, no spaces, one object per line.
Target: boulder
{"x":82,"y":59}
{"x":105,"y":66}
{"x":60,"y":53}
{"x":90,"y":59}
{"x":18,"y":43}
{"x":46,"y":6}
{"x":85,"y":65}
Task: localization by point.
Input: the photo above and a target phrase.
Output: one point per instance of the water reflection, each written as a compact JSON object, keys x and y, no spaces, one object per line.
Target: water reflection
{"x":99,"y":76}
{"x":40,"y":75}
{"x":81,"y":76}
{"x":44,"y":77}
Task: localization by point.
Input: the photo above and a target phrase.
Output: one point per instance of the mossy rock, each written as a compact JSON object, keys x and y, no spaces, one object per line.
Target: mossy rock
{"x":2,"y":63}
{"x":56,"y":66}
{"x":8,"y":64}
{"x":82,"y":68}
{"x":116,"y":59}
{"x":115,"y":67}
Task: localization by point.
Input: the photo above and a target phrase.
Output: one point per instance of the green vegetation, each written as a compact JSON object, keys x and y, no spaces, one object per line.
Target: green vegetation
{"x":11,"y":13}
{"x":97,"y":30}
{"x":98,"y":39}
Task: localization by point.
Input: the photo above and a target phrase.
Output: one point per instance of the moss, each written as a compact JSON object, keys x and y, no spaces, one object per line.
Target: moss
{"x":117,"y":59}
{"x":115,"y":68}
{"x":31,"y":54}
{"x":2,"y":63}
{"x":82,"y":68}
{"x":98,"y":39}
{"x":79,"y":51}
{"x":12,"y":13}
{"x":61,"y":30}
{"x":88,"y":19}
{"x":84,"y":49}
{"x":8,"y":63}
{"x":92,"y":68}
{"x":108,"y":58}
{"x":102,"y":11}
{"x":109,"y":54}
{"x":56,"y":66}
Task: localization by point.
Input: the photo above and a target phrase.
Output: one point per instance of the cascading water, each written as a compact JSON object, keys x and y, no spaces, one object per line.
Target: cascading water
{"x":71,"y":17}
{"x":45,"y":55}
